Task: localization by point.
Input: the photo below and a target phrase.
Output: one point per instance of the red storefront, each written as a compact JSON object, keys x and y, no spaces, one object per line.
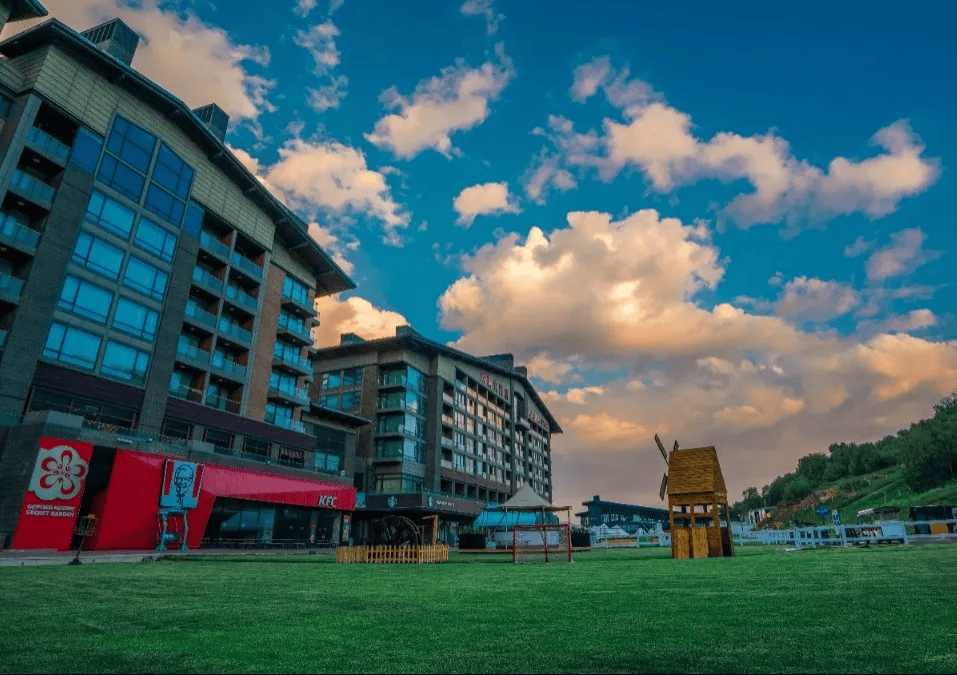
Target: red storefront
{"x":133,"y":486}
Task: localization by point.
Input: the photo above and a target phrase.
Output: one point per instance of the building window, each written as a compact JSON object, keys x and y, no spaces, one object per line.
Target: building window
{"x":351,"y":400}
{"x":331,"y":380}
{"x":165,"y":205}
{"x":295,"y":291}
{"x":86,"y":150}
{"x":85,"y":299}
{"x":73,"y":346}
{"x":135,"y":319}
{"x":110,"y":215}
{"x":97,"y":255}
{"x":132,"y":144}
{"x":286,"y":351}
{"x":124,"y":363}
{"x":256,"y":447}
{"x":292,"y":456}
{"x":352,"y":377}
{"x":145,"y":278}
{"x":155,"y":239}
{"x":393,"y":483}
{"x":121,"y":178}
{"x":222,"y":441}
{"x":172,"y":173}
{"x":277,"y":414}
{"x":177,"y":428}
{"x":91,"y":410}
{"x":399,"y":448}
{"x":329,"y":401}
{"x":330,"y":449}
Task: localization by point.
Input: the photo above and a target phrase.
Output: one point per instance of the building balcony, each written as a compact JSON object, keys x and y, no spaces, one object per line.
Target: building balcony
{"x":235,"y":331}
{"x":214,"y":245}
{"x":241,"y":299}
{"x":285,"y":423}
{"x":48,"y":146}
{"x":15,"y":233}
{"x":448,"y":419}
{"x":33,"y":189}
{"x":206,"y":280}
{"x":199,"y":317}
{"x":3,"y":338}
{"x":245,"y":265}
{"x":298,"y":304}
{"x":185,"y":392}
{"x":295,"y":395}
{"x":448,"y":399}
{"x":448,"y":443}
{"x":10,"y":288}
{"x":229,"y":368}
{"x":294,"y":332}
{"x":193,"y":356}
{"x":294,"y":364}
{"x":222,"y":402}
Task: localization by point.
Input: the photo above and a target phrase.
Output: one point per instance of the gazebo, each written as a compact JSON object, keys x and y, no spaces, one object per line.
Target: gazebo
{"x":696,"y":491}
{"x":526,"y":500}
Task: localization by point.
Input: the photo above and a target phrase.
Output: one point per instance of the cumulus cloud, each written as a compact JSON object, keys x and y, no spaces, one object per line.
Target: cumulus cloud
{"x":914,"y":320}
{"x":196,"y":62}
{"x":810,"y":299}
{"x":620,"y":89}
{"x":489,"y":199}
{"x":485,"y":9}
{"x":902,"y":255}
{"x":859,"y":247}
{"x":547,"y":369}
{"x":304,"y":7}
{"x":544,"y":175}
{"x":329,"y":95}
{"x":456,"y":100}
{"x":320,"y":41}
{"x":354,"y":315}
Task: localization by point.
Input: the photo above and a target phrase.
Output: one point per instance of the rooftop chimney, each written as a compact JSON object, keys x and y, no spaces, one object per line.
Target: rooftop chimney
{"x":215,"y":118}
{"x":350,"y":339}
{"x":403,"y":331}
{"x":115,"y":38}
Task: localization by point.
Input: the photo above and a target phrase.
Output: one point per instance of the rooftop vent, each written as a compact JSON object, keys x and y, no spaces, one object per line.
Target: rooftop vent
{"x":115,"y":38}
{"x":403,"y":331}
{"x":215,"y":118}
{"x":350,"y":339}
{"x":503,"y":360}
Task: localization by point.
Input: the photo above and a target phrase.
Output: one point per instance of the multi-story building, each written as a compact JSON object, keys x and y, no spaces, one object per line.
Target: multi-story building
{"x":156,"y":306}
{"x":451,"y":432}
{"x":629,"y":517}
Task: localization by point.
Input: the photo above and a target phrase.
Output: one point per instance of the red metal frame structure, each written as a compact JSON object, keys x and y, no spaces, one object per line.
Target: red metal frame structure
{"x":559,"y":552}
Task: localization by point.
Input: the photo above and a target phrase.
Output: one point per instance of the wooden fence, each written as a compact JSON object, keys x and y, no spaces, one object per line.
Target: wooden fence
{"x":393,"y":554}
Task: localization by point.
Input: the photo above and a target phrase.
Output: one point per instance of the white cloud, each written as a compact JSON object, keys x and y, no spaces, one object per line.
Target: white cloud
{"x":304,"y":7}
{"x":329,"y":95}
{"x":544,"y":174}
{"x":320,"y":41}
{"x":810,"y":299}
{"x":859,"y":247}
{"x":354,"y":315}
{"x":544,"y":368}
{"x":485,"y":9}
{"x":484,"y":199}
{"x":902,"y":256}
{"x":913,"y":320}
{"x":334,"y":5}
{"x":620,"y":90}
{"x":196,"y":62}
{"x":456,"y":100}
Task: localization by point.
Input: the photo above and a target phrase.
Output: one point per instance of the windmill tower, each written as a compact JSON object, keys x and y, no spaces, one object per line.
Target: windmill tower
{"x":696,"y":494}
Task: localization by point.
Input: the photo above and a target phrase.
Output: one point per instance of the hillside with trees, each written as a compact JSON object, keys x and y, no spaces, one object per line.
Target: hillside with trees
{"x":922,"y":458}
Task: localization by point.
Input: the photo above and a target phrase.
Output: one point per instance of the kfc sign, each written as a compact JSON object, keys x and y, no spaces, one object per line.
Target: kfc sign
{"x":327,"y":502}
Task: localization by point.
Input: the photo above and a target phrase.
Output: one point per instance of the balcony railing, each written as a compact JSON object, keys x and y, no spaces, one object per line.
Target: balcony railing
{"x":285,"y":423}
{"x":193,"y":354}
{"x":32,"y":188}
{"x":193,"y":311}
{"x":186,"y":392}
{"x":448,"y":399}
{"x":296,"y":329}
{"x":16,"y":233}
{"x":302,"y":303}
{"x":448,"y":443}
{"x":227,"y":327}
{"x":297,"y":394}
{"x":296,"y":362}
{"x":247,"y":265}
{"x":208,"y":280}
{"x":49,"y":145}
{"x":10,"y":287}
{"x":213,"y":244}
{"x":222,"y":402}
{"x":240,"y":297}
{"x":228,"y":366}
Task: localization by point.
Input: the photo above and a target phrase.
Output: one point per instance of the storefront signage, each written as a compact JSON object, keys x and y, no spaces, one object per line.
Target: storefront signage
{"x":498,"y":388}
{"x":327,"y":502}
{"x":439,"y":502}
{"x":53,"y":497}
{"x":182,"y":482}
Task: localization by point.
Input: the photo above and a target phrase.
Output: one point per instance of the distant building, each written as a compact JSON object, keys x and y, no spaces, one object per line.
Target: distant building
{"x":629,"y":517}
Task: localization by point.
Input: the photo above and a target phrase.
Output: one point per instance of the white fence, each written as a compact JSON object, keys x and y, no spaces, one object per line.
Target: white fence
{"x":895,"y":531}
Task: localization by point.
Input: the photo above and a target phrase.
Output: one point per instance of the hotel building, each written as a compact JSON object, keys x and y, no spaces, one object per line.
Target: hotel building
{"x":450,"y":433}
{"x":156,"y":305}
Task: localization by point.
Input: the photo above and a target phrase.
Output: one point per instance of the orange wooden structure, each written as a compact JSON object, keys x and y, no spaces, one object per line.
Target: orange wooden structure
{"x":696,"y":495}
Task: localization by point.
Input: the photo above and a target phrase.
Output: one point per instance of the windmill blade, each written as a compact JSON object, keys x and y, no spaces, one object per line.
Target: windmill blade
{"x":676,"y":446}
{"x":662,"y":448}
{"x":664,"y":485}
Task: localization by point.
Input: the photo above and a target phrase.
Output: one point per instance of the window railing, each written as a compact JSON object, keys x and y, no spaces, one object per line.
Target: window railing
{"x":213,"y":244}
{"x":229,"y":366}
{"x":247,"y":265}
{"x":186,"y":392}
{"x":204,"y":277}
{"x":222,"y":402}
{"x":201,"y":315}
{"x":31,"y":187}
{"x":10,"y":286}
{"x":48,"y":144}
{"x":16,"y":231}
{"x":297,"y":328}
{"x":300,"y":394}
{"x":240,"y":297}
{"x":303,"y":300}
{"x":294,"y":361}
{"x":193,"y":353}
{"x":231,"y":329}
{"x":285,"y":423}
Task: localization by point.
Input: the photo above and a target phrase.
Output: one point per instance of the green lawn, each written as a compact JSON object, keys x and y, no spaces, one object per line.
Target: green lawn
{"x":883,"y":609}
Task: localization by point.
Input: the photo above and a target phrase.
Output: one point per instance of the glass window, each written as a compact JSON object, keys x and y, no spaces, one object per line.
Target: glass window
{"x":163,"y":204}
{"x":398,"y":483}
{"x":124,"y":363}
{"x":121,"y":178}
{"x":276,"y":412}
{"x":172,"y":173}
{"x":145,"y":278}
{"x":331,"y":380}
{"x":221,"y":440}
{"x":194,"y":218}
{"x":295,"y":290}
{"x":132,"y":144}
{"x":330,"y":401}
{"x":110,"y":214}
{"x":85,"y":299}
{"x":352,"y":377}
{"x":350,"y":400}
{"x":97,"y":255}
{"x":72,"y":345}
{"x":156,"y":239}
{"x":86,"y":150}
{"x":176,"y":428}
{"x":135,"y":319}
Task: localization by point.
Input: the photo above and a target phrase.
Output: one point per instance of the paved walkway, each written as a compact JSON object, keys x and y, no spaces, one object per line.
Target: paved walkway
{"x":50,"y":557}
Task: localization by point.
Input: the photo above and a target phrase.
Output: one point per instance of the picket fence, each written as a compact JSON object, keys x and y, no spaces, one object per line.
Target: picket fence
{"x":393,"y":554}
{"x":844,"y":535}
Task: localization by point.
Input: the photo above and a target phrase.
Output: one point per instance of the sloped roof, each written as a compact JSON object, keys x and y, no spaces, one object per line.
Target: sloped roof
{"x":526,"y":497}
{"x":695,"y":470}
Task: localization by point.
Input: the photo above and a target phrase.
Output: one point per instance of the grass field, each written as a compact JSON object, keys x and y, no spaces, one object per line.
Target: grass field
{"x":891,"y":609}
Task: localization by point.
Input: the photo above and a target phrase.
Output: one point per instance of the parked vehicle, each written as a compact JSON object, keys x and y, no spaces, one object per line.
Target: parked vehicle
{"x":882,"y":524}
{"x":942,"y":513}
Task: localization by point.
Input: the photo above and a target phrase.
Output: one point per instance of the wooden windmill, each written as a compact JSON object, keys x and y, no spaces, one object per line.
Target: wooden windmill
{"x":696,"y":495}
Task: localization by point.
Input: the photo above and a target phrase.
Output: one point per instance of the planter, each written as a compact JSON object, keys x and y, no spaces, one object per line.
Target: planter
{"x":472,"y":541}
{"x":581,"y":539}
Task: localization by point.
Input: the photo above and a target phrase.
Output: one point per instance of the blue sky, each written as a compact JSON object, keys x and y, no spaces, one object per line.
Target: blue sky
{"x":727,"y":224}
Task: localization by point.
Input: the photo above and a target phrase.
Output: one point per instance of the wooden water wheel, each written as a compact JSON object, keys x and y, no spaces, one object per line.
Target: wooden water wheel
{"x":394,"y":531}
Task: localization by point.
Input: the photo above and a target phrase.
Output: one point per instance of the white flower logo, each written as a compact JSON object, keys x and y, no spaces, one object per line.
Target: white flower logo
{"x":59,"y":473}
